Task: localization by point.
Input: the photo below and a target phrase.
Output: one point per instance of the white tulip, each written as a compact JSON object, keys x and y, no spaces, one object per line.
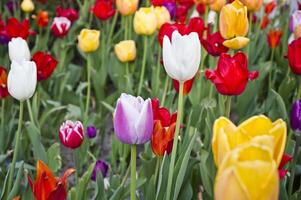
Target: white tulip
{"x":18,"y":50}
{"x":22,"y":80}
{"x":181,"y":55}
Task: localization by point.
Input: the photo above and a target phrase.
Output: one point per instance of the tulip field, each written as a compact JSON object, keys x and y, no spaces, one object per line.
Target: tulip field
{"x":150,"y":100}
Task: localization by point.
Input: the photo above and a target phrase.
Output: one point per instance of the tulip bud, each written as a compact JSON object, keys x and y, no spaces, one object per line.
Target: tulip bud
{"x":60,"y":26}
{"x":145,"y":21}
{"x":162,"y":15}
{"x":88,"y":40}
{"x":296,"y":116}
{"x":181,"y":55}
{"x":18,"y":50}
{"x":71,"y":134}
{"x":22,"y":80}
{"x":127,"y":7}
{"x":3,"y":83}
{"x":125,"y":50}
{"x":102,"y":167}
{"x":252,"y":5}
{"x":27,"y":6}
{"x":91,"y":131}
{"x":133,"y":119}
{"x":218,"y":5}
{"x":46,"y":64}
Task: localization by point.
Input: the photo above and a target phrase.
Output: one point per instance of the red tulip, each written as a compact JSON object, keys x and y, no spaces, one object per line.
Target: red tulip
{"x":14,"y":28}
{"x":293,"y":55}
{"x":232,"y":74}
{"x":161,"y":2}
{"x":47,"y":186}
{"x":42,"y":18}
{"x":60,"y":26}
{"x":187,"y":86}
{"x":181,"y":13}
{"x":162,"y":114}
{"x":265,"y":22}
{"x":270,"y":7}
{"x":69,"y":13}
{"x":3,"y":83}
{"x":201,"y":8}
{"x":71,"y":134}
{"x":214,"y":43}
{"x":45,"y":63}
{"x":285,"y":159}
{"x":186,"y":3}
{"x":196,"y":24}
{"x":103,"y":9}
{"x":274,"y":37}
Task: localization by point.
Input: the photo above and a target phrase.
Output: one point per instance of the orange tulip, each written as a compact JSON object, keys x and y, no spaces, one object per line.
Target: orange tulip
{"x":274,"y":37}
{"x":47,"y":186}
{"x":42,"y":18}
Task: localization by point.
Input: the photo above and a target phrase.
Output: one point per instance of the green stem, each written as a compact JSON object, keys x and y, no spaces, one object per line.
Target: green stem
{"x":228,"y":106}
{"x":112,"y":28}
{"x":250,"y":32}
{"x":16,"y":149}
{"x":127,"y":74}
{"x":88,"y":87}
{"x":143,"y":65}
{"x":30,"y":112}
{"x":157,"y":169}
{"x":133,"y":171}
{"x":299,"y":89}
{"x":271,"y":68}
{"x":293,"y":166}
{"x":158,"y":71}
{"x":166,"y":85}
{"x":175,"y":141}
{"x":2,"y":135}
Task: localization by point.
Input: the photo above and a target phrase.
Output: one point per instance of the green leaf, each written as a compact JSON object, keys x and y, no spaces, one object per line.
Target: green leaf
{"x":100,"y":189}
{"x":163,"y":175}
{"x":81,"y":187}
{"x":17,"y":183}
{"x":54,"y":158}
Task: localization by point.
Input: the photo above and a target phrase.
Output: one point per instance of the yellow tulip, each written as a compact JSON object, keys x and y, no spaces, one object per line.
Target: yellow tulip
{"x":27,"y":6}
{"x":248,"y":173}
{"x":253,"y":5}
{"x":145,"y":21}
{"x":233,"y":22}
{"x":88,"y":40}
{"x":227,"y":136}
{"x":125,"y":50}
{"x":217,"y":5}
{"x":162,"y":15}
{"x":127,"y":7}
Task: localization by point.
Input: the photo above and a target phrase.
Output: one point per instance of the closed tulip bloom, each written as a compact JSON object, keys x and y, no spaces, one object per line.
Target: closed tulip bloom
{"x":42,"y":18}
{"x":103,"y":9}
{"x":217,"y":5}
{"x":71,"y":134}
{"x":162,"y":15}
{"x":296,"y":116}
{"x":293,"y":56}
{"x":88,"y":40}
{"x":213,"y":43}
{"x":45,"y":63}
{"x":133,"y":119}
{"x":91,"y":131}
{"x":234,"y":25}
{"x":127,"y":7}
{"x":22,"y":80}
{"x":100,"y":167}
{"x":248,"y":173}
{"x":252,"y":5}
{"x":60,"y":26}
{"x":18,"y":50}
{"x":145,"y":21}
{"x":181,"y":55}
{"x":3,"y":83}
{"x":274,"y":38}
{"x":69,"y":13}
{"x":125,"y":50}
{"x":295,"y":20}
{"x":258,"y":129}
{"x":27,"y":6}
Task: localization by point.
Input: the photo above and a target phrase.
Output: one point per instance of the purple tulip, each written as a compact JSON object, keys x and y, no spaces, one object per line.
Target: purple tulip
{"x":295,"y":20}
{"x":91,"y":131}
{"x":102,"y":167}
{"x":10,"y":6}
{"x":4,"y":38}
{"x":133,"y":119}
{"x":296,"y":116}
{"x":171,"y":7}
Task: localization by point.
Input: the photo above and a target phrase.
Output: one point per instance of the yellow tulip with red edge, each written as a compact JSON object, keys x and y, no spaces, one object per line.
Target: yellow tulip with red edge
{"x":127,"y":7}
{"x":162,"y":15}
{"x":125,"y":50}
{"x":145,"y":21}
{"x":217,"y":5}
{"x":88,"y":40}
{"x":253,"y":5}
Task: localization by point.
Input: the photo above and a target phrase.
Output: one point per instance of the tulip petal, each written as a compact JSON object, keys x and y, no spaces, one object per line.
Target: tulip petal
{"x":144,"y":124}
{"x":257,"y":125}
{"x":236,"y":43}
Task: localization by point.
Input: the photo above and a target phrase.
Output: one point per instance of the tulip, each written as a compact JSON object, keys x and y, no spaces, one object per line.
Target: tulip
{"x":42,"y":18}
{"x":270,"y":7}
{"x":88,"y":40}
{"x":227,"y":68}
{"x":295,"y":20}
{"x":4,"y":38}
{"x":69,"y":13}
{"x":91,"y":131}
{"x":252,"y":5}
{"x":186,"y":87}
{"x":171,"y":7}
{"x":258,"y":129}
{"x":293,"y":56}
{"x":47,"y":186}
{"x":71,"y":134}
{"x":103,"y":9}
{"x":22,"y":80}
{"x":181,"y":55}
{"x":125,"y":50}
{"x":145,"y":21}
{"x":234,"y":25}
{"x":162,"y":114}
{"x":60,"y":26}
{"x":296,"y":116}
{"x":217,"y":5}
{"x":18,"y":50}
{"x":127,"y":7}
{"x":102,"y":167}
{"x":214,"y":44}
{"x":3,"y":83}
{"x":133,"y":119}
{"x":181,"y":14}
{"x":45,"y":63}
{"x":274,"y":37}
{"x":201,"y":9}
{"x":248,"y":173}
{"x":14,"y":28}
{"x":265,"y":22}
{"x":162,"y":15}
{"x":27,"y":6}
{"x":284,"y":161}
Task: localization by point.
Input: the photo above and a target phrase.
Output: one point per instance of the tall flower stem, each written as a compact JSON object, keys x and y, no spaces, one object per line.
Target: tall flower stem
{"x":293,"y":166}
{"x":175,"y":141}
{"x":16,"y":149}
{"x":158,"y":164}
{"x":88,"y":87}
{"x":133,"y":171}
{"x":166,"y":85}
{"x":299,"y":90}
{"x":271,"y":68}
{"x":228,"y":106}
{"x":2,"y":135}
{"x":143,"y":65}
{"x":30,"y":112}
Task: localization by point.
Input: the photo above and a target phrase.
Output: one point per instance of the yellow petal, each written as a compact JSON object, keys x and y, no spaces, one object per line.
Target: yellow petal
{"x":236,"y":43}
{"x":257,"y":125}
